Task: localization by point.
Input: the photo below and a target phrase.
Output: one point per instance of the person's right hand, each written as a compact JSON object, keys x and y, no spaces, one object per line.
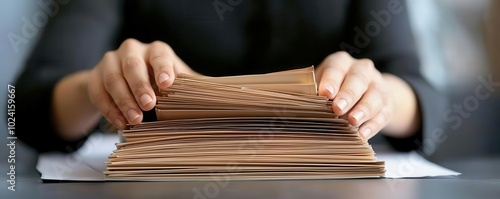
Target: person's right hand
{"x":123,"y":83}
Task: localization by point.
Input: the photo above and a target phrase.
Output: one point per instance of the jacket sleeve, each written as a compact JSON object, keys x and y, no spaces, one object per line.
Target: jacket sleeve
{"x":76,"y":36}
{"x":381,"y":31}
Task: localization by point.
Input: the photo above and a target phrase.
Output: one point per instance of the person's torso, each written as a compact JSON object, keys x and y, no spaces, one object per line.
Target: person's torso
{"x":239,"y":37}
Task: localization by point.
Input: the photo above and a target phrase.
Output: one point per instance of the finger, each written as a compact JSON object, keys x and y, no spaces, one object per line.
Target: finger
{"x":161,"y":58}
{"x":136,"y":74}
{"x":104,"y":103}
{"x":331,"y":73}
{"x":371,"y":127}
{"x":355,"y":84}
{"x":370,"y":104}
{"x":117,"y":87}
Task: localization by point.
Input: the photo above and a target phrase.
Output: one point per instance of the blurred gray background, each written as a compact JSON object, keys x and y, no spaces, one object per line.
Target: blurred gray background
{"x":11,"y":14}
{"x":450,"y":35}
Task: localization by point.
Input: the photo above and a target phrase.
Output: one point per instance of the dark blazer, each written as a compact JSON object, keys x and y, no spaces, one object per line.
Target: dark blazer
{"x":220,"y":37}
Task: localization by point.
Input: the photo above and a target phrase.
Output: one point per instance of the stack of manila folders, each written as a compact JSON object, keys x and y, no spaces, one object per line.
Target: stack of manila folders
{"x":260,"y":126}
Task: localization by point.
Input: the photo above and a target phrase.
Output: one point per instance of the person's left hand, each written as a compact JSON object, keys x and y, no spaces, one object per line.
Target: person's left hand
{"x":358,"y":90}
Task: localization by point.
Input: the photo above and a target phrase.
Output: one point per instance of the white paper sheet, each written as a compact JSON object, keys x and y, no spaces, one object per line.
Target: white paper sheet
{"x":87,"y":164}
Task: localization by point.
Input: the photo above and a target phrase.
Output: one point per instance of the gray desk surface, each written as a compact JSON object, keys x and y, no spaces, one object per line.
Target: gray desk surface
{"x":408,"y":188}
{"x":480,"y":179}
{"x":480,"y":176}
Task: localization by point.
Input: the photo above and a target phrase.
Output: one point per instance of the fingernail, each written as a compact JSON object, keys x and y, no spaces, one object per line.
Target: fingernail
{"x":342,"y":103}
{"x":119,"y":124}
{"x":366,"y":132}
{"x":329,"y":88}
{"x":145,"y":99}
{"x":358,"y":116}
{"x":163,"y":77}
{"x":132,"y":115}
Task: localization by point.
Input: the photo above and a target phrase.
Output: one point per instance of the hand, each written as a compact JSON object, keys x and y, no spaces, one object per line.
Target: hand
{"x":123,"y":83}
{"x":358,"y":90}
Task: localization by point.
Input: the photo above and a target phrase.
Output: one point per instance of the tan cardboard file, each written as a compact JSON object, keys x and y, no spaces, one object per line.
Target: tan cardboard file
{"x":250,"y":127}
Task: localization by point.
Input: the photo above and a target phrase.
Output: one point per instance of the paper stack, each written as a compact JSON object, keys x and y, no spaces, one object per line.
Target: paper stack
{"x":265,"y":126}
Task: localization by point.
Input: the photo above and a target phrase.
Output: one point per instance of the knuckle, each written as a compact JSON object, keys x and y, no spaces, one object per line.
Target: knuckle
{"x":361,"y":77}
{"x":109,"y":55}
{"x":111,"y":79}
{"x":132,"y":63}
{"x":339,"y":55}
{"x":141,"y":87}
{"x":161,"y":46}
{"x":343,"y":70}
{"x":368,"y":107}
{"x":331,"y":81}
{"x":160,"y":52}
{"x":366,"y":63}
{"x":342,"y":54}
{"x":159,"y":60}
{"x":347,"y":93}
{"x":163,"y":65}
{"x":124,"y":102}
{"x":158,"y":43}
{"x":129,"y":43}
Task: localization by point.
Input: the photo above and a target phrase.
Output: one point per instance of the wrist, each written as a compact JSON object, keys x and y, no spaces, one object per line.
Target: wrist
{"x":83,"y":86}
{"x":406,"y":119}
{"x":73,"y":114}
